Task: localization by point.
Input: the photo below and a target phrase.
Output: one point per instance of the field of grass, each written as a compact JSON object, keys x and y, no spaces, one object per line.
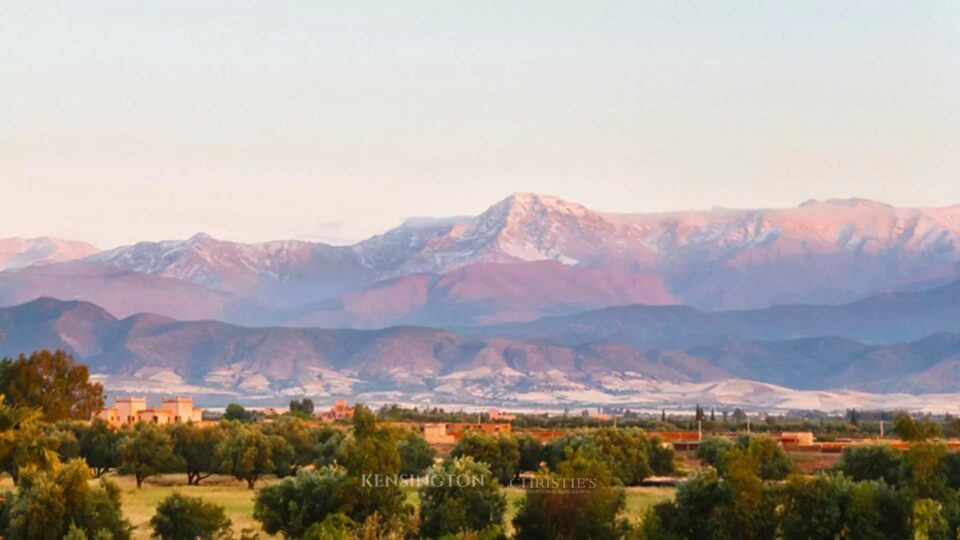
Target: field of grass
{"x":139,"y":505}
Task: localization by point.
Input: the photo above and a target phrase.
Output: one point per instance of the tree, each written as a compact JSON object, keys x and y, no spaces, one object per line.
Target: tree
{"x":814,"y":507}
{"x":911,"y":431}
{"x":415,"y":454}
{"x":246,"y":453}
{"x":775,"y":464}
{"x":928,"y":521}
{"x":235,"y":411}
{"x":302,"y":407}
{"x":12,"y":420}
{"x":301,"y":441}
{"x":628,"y":453}
{"x":950,"y":469}
{"x":49,"y":503}
{"x":750,"y":512}
{"x":922,"y":470}
{"x":586,"y":508}
{"x":67,"y":445}
{"x":52,"y":382}
{"x":17,"y":429}
{"x":500,"y":452}
{"x":695,"y":512}
{"x":713,"y":452}
{"x":291,"y":506}
{"x":531,"y":452}
{"x":34,"y":445}
{"x":147,"y":451}
{"x":197,"y":447}
{"x":772,"y":462}
{"x":333,"y":527}
{"x":870,"y":462}
{"x":328,"y":441}
{"x":876,"y":511}
{"x":180,"y":517}
{"x":371,"y":458}
{"x":461,"y":497}
{"x":99,"y":446}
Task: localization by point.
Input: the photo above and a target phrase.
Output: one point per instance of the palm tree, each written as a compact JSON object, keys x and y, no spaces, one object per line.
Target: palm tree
{"x":21,"y":441}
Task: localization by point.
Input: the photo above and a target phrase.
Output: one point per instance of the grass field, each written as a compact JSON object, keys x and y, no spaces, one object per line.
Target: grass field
{"x":139,"y":504}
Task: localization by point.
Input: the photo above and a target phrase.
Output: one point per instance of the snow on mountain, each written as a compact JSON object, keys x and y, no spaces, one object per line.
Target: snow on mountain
{"x":829,"y":251}
{"x":273,"y":273}
{"x":822,"y":252}
{"x":20,"y":252}
{"x":522,"y":227}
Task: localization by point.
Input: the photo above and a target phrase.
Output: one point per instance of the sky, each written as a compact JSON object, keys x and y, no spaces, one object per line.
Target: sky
{"x":332,"y":121}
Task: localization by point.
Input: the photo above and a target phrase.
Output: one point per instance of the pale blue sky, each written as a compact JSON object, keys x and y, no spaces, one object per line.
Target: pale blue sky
{"x":330,"y":120}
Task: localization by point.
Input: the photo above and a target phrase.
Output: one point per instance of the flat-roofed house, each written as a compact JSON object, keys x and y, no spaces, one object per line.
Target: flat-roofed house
{"x":181,"y":410}
{"x":110,"y":416}
{"x":130,"y":410}
{"x":154,"y":415}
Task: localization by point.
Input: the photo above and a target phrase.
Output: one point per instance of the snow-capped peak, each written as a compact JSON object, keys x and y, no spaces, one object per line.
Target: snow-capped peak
{"x":525,"y":203}
{"x":19,"y":252}
{"x":852,"y":202}
{"x":200,"y":237}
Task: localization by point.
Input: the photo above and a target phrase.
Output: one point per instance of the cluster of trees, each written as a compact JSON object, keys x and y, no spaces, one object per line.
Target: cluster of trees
{"x":54,"y":499}
{"x":576,"y":492}
{"x":245,"y":451}
{"x":749,"y":492}
{"x":51,"y":383}
{"x":628,"y":453}
{"x":279,"y":447}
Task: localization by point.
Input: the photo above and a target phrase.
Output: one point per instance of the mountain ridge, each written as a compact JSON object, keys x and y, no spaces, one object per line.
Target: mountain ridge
{"x":19,"y":252}
{"x":823,"y":252}
{"x":212,"y":356}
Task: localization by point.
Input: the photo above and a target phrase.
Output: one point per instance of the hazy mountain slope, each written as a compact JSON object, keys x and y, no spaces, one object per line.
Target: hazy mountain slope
{"x":20,"y":252}
{"x":122,"y":292}
{"x":254,"y":360}
{"x":215,"y":356}
{"x":484,"y":293}
{"x":884,"y":318}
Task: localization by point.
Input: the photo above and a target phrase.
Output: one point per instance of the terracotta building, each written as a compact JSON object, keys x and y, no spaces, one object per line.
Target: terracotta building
{"x":339,"y":411}
{"x":131,"y":410}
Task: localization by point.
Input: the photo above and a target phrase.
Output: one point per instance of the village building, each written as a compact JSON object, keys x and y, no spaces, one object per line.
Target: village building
{"x":450,"y":433}
{"x":132,"y":410}
{"x":339,"y":411}
{"x":496,"y":415}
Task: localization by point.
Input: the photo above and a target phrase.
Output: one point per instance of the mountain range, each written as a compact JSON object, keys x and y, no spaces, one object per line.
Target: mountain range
{"x":214,"y":357}
{"x":526,"y":257}
{"x":534,"y":301}
{"x":20,"y":252}
{"x":884,"y":318}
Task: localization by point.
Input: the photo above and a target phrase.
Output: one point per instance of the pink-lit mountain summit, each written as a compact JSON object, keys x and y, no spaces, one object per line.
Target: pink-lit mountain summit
{"x":526,"y":256}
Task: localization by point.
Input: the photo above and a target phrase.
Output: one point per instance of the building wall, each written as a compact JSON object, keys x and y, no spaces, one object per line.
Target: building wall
{"x":129,"y":408}
{"x":180,"y":408}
